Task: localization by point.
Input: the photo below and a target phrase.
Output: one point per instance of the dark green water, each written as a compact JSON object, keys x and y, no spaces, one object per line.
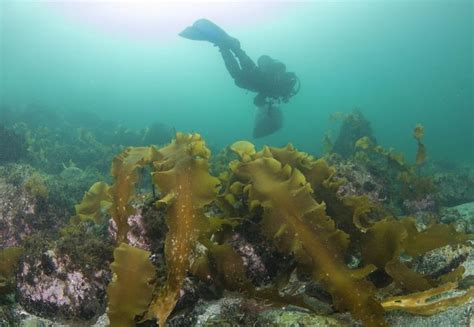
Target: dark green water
{"x":400,"y":62}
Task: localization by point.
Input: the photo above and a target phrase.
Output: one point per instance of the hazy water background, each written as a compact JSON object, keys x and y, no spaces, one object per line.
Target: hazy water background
{"x":400,"y":62}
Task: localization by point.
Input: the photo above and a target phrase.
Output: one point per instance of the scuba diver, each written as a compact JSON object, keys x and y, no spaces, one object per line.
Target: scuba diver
{"x":268,"y":78}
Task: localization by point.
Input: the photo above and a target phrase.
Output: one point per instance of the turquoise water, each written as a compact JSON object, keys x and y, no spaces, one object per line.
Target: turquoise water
{"x":400,"y":62}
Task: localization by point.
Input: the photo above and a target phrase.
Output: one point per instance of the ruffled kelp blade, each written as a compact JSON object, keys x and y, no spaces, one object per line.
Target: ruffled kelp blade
{"x":267,"y":121}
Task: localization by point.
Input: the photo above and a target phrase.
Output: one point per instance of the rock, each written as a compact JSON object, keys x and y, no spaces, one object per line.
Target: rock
{"x":360,"y":182}
{"x":29,"y":320}
{"x":469,"y":265}
{"x":8,"y":315}
{"x":258,"y":258}
{"x":425,"y":204}
{"x":353,"y":127}
{"x":462,"y":214}
{"x":278,"y":317}
{"x":312,"y":293}
{"x":52,"y":286}
{"x":15,"y":205}
{"x":454,"y":188}
{"x":460,"y":316}
{"x":27,"y":205}
{"x":233,"y":310}
{"x":102,"y":321}
{"x":456,"y":316}
{"x":442,"y":260}
{"x":23,"y":318}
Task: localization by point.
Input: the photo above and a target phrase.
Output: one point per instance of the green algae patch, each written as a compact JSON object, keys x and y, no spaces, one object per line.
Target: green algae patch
{"x":87,"y":245}
{"x":9,"y":258}
{"x":36,"y":186}
{"x":130,"y":291}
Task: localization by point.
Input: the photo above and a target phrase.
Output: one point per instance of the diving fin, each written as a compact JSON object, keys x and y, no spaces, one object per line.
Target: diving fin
{"x":267,"y":121}
{"x":205,"y":30}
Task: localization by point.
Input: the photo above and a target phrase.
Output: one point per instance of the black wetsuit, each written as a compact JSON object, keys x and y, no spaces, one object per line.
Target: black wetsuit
{"x":270,"y":81}
{"x":268,"y":78}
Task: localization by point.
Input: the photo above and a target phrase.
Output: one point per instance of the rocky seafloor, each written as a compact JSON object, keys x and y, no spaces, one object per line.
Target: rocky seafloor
{"x":54,"y":290}
{"x":62,"y":274}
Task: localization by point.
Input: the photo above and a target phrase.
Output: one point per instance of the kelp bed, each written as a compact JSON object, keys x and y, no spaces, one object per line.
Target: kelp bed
{"x":292,"y":197}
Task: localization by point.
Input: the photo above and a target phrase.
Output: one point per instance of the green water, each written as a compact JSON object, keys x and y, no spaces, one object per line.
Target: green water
{"x":400,"y":62}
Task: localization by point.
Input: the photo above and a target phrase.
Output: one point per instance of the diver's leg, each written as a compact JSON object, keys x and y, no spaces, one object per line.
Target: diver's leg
{"x":245,"y":62}
{"x":205,"y":30}
{"x":231,"y":64}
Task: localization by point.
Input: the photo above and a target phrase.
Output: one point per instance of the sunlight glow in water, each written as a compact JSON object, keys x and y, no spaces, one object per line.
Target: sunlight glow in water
{"x":164,"y":19}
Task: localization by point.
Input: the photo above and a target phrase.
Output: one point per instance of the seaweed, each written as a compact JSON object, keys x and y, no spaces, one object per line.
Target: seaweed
{"x":354,"y":126}
{"x":418,"y":134}
{"x":92,"y":203}
{"x":130,"y":291}
{"x":299,"y":225}
{"x":293,"y":197}
{"x":36,"y":186}
{"x":409,"y":184}
{"x":429,"y":302}
{"x":116,"y":199}
{"x":9,"y":258}
{"x":86,"y":244}
{"x":124,"y":172}
{"x":265,"y":173}
{"x":182,"y":175}
{"x":386,"y":240}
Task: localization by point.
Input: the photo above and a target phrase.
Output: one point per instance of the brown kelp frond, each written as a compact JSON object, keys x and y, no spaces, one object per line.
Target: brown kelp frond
{"x":130,"y":291}
{"x":418,"y":134}
{"x":365,"y":144}
{"x":94,"y":200}
{"x":298,"y":208}
{"x":244,"y":149}
{"x":289,"y":155}
{"x":322,"y":178}
{"x":316,"y":171}
{"x":360,"y":207}
{"x":124,"y":171}
{"x":429,"y":302}
{"x":182,"y":175}
{"x":387,"y":239}
{"x":117,"y":198}
{"x":420,"y":154}
{"x":229,"y":267}
{"x":299,"y":225}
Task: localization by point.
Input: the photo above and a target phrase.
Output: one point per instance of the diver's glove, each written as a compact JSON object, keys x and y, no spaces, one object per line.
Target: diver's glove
{"x":205,"y":30}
